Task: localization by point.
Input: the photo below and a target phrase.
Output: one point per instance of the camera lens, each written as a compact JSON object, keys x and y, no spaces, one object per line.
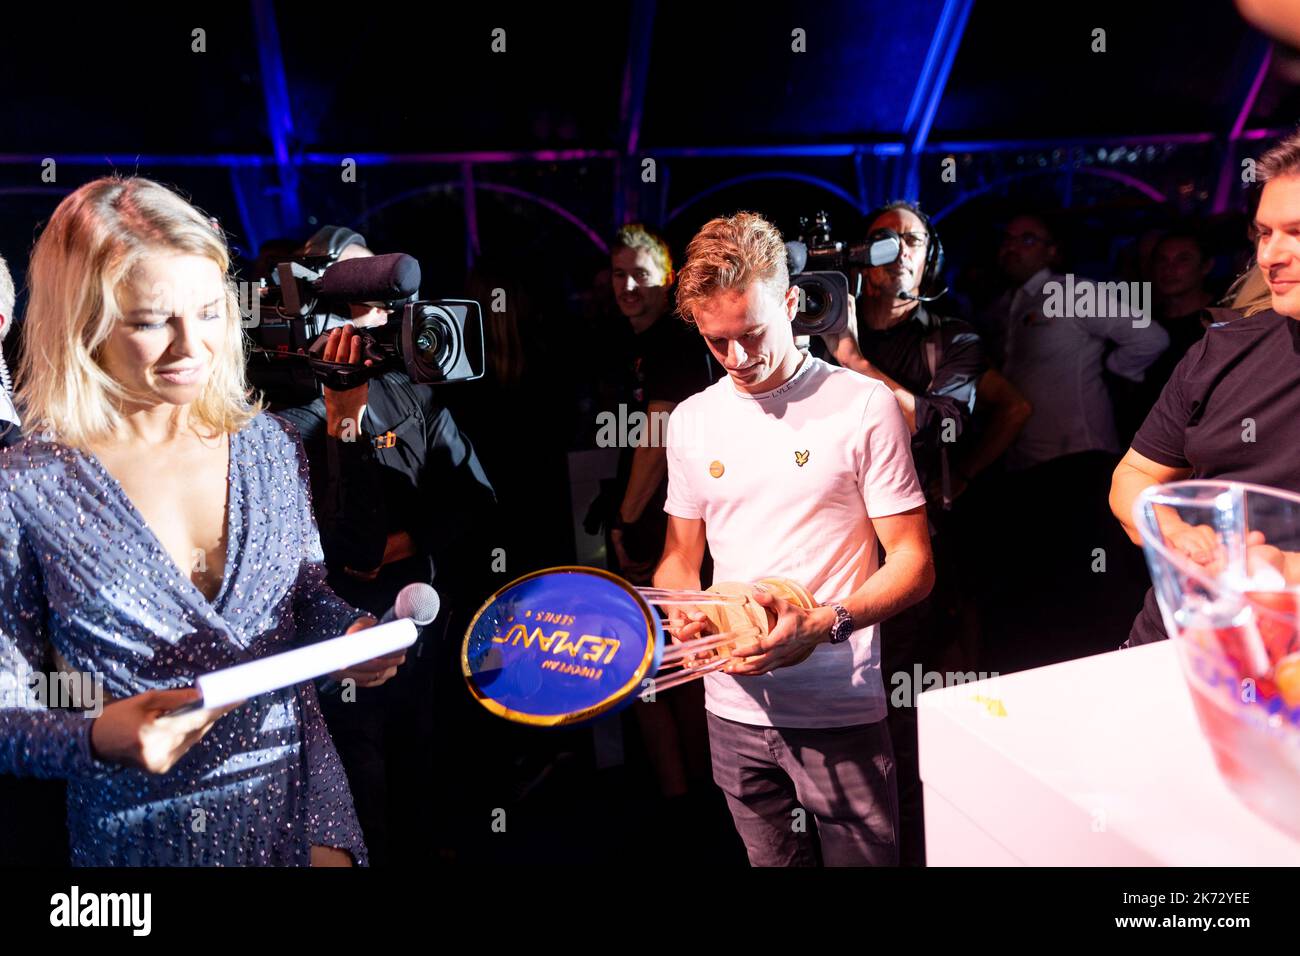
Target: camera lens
{"x":814,"y":303}
{"x":823,"y":302}
{"x":428,"y":340}
{"x":432,"y":338}
{"x":433,"y":343}
{"x":814,"y":297}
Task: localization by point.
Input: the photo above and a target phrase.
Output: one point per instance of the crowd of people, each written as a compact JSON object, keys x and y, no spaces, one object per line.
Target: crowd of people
{"x":953,"y":485}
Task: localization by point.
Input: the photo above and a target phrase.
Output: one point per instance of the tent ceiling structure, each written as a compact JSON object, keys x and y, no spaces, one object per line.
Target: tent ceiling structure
{"x":859,"y":100}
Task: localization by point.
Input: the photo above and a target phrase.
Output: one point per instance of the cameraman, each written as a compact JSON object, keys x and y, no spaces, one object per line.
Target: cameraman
{"x":935,"y":367}
{"x":399,"y":494}
{"x":934,"y":364}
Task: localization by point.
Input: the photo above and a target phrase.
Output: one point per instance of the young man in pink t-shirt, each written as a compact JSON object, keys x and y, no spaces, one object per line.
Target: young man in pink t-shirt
{"x":792,"y":467}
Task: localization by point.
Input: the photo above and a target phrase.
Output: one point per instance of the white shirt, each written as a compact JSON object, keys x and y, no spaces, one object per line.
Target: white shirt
{"x":734,"y":461}
{"x":1056,"y":363}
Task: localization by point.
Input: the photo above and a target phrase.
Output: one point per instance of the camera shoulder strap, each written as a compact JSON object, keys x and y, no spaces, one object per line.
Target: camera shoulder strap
{"x":933,"y":347}
{"x":932,"y":344}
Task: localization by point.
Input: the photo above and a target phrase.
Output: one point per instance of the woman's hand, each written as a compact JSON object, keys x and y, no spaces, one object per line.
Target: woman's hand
{"x":373,"y":672}
{"x":138,"y":731}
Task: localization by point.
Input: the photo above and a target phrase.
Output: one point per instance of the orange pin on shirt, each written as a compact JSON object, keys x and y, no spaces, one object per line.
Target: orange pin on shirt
{"x":716,"y":469}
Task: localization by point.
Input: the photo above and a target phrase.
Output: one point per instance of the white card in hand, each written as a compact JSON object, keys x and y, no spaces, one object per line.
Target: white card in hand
{"x":304,"y":663}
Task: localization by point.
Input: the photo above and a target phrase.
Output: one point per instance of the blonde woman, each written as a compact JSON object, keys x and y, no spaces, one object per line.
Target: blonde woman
{"x":154,"y":525}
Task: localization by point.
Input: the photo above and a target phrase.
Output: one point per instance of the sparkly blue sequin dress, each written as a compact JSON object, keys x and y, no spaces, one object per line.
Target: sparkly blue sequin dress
{"x":81,"y":573}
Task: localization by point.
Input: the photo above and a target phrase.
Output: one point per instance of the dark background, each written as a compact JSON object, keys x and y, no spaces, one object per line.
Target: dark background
{"x":551,"y":134}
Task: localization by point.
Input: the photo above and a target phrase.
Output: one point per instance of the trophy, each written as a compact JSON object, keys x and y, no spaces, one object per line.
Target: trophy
{"x":567,"y":644}
{"x":1225,"y":561}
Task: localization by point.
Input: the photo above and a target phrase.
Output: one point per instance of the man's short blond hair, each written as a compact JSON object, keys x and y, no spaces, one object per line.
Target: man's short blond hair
{"x":636,"y":236}
{"x":731,"y":254}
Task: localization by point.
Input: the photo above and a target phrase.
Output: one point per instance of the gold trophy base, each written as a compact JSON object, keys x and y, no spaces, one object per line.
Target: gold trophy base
{"x":750,"y":614}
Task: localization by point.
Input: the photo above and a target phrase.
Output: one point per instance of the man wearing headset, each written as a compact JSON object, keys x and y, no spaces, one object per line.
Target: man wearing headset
{"x":935,"y":367}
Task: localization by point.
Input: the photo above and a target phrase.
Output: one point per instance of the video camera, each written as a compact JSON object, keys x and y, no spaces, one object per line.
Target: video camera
{"x":824,"y":293}
{"x":435,"y":342}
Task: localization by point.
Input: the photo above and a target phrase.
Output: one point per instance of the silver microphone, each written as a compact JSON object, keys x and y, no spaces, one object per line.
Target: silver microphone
{"x":417,"y":601}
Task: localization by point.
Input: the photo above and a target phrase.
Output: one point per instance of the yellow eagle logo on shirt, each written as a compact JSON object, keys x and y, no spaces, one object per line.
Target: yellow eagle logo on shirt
{"x":801,"y":458}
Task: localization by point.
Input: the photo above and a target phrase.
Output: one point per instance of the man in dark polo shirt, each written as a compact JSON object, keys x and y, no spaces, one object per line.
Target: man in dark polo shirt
{"x":1231,"y":410}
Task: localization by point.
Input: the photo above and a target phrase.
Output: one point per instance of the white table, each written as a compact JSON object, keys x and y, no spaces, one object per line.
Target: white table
{"x":1096,"y":762}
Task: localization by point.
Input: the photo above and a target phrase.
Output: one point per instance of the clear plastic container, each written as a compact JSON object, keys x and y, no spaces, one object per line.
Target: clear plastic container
{"x":1225,"y":563}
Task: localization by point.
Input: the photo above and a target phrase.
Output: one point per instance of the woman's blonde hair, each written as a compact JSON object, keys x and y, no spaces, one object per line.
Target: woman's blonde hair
{"x":86,"y":253}
{"x":1249,"y":294}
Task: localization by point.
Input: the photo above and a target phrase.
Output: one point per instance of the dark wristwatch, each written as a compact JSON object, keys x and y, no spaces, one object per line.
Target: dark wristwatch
{"x":842,"y":629}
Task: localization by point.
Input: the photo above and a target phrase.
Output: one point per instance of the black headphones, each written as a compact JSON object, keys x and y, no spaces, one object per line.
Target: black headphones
{"x":933,"y":247}
{"x":328,"y":242}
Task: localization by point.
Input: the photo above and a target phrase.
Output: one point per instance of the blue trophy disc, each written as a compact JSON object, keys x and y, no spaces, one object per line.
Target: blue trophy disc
{"x":561,"y":646}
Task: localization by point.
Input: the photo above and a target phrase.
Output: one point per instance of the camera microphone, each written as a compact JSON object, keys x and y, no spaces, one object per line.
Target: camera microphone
{"x":385,"y":278}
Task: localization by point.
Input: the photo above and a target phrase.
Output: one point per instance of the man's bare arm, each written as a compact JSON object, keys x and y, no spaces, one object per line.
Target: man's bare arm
{"x":679,"y":568}
{"x":847,"y":351}
{"x":649,"y":465}
{"x":907,"y":575}
{"x":905,"y":578}
{"x":683,"y":554}
{"x":1135,"y":473}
